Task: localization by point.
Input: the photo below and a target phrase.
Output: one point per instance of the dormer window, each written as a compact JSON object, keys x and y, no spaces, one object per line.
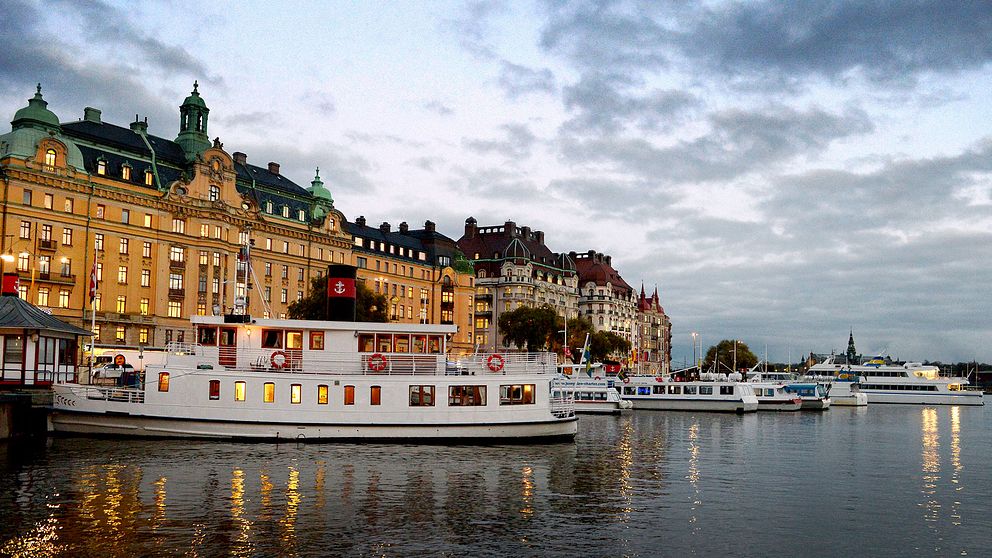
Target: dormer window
{"x":101,"y":167}
{"x":126,"y":171}
{"x":214,"y":192}
{"x":268,"y":207}
{"x":301,"y":215}
{"x":148,"y":178}
{"x":285,"y":211}
{"x":50,"y":158}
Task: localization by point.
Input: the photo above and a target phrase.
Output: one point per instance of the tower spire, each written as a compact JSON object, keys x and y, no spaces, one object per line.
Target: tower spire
{"x":193,"y":124}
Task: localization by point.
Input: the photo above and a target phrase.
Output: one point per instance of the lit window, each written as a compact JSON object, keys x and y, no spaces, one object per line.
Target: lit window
{"x":216,"y":259}
{"x":285,"y":211}
{"x":119,"y":334}
{"x":50,"y":158}
{"x":43,"y":296}
{"x":301,"y":215}
{"x":269,"y":392}
{"x":68,"y":205}
{"x":101,"y":167}
{"x":175,"y":281}
{"x":163,"y":381}
{"x":421,"y":396}
{"x":466,"y":396}
{"x":175,"y":309}
{"x":122,"y":274}
{"x":124,"y":245}
{"x":216,"y":231}
{"x":148,"y":220}
{"x":268,"y":243}
{"x":268,"y":207}
{"x":322,"y":395}
{"x":67,"y":237}
{"x":177,"y":254}
{"x":148,"y":178}
{"x":179,"y":226}
{"x":121,"y":304}
{"x":126,"y":171}
{"x":295,"y":394}
{"x":63,"y":299}
{"x":98,"y":241}
{"x":98,"y":302}
{"x":349,"y":395}
{"x":214,"y":192}
{"x":25,"y":230}
{"x":204,"y":258}
{"x":214,"y":390}
{"x":239,"y":391}
{"x":146,"y":277}
{"x":516,"y":394}
{"x":49,"y":201}
{"x":375,"y":395}
{"x":285,"y":247}
{"x":143,"y":335}
{"x":146,"y":250}
{"x":204,"y":231}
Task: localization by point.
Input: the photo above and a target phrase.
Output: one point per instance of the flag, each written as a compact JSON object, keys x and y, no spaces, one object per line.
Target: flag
{"x":622,"y":374}
{"x":93,"y":281}
{"x":586,"y":357}
{"x":568,"y":352}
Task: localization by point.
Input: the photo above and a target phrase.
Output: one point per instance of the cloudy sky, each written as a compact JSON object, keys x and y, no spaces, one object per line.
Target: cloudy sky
{"x":782,"y":172}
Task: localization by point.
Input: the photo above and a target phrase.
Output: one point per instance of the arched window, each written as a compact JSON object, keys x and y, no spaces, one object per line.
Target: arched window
{"x":101,"y":167}
{"x":50,"y":158}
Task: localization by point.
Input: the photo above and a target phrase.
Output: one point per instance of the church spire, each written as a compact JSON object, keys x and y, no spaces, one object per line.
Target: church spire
{"x":193,"y":124}
{"x":852,"y":353}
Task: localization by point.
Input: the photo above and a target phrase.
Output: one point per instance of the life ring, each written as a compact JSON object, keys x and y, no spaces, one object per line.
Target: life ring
{"x":659,"y":379}
{"x":842,"y":377}
{"x":495,"y":362}
{"x":377,"y":362}
{"x":598,"y":378}
{"x":626,"y":380}
{"x":278,"y":363}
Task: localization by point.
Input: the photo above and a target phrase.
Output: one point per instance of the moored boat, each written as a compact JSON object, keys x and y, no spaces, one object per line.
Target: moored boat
{"x":813,"y":395}
{"x":592,"y":394}
{"x":711,"y":392}
{"x":772,"y":396}
{"x":325,"y":380}
{"x":886,"y":382}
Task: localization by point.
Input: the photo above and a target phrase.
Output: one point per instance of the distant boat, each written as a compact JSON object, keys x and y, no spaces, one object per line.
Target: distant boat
{"x":593,"y":394}
{"x":912,"y":382}
{"x":710,"y":392}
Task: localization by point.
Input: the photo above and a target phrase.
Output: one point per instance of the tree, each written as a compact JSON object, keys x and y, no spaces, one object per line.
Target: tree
{"x":369,"y":306}
{"x":530,"y":328}
{"x":577,"y":330}
{"x":604,"y":344}
{"x":724,"y":353}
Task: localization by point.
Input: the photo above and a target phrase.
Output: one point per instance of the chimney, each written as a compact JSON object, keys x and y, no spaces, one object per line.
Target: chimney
{"x":91,"y":114}
{"x":573,"y":255}
{"x":540,"y":236}
{"x":609,"y":260}
{"x":140,"y":127}
{"x":429,"y":226}
{"x":360,"y":221}
{"x":240,"y":158}
{"x":471,"y":227}
{"x":404,"y":228}
{"x":510,"y":229}
{"x":274,"y":168}
{"x":525,"y":232}
{"x":384,"y":227}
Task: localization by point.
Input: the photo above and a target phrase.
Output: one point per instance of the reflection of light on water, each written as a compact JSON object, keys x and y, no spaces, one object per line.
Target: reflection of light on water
{"x":693,"y":475}
{"x":40,"y":541}
{"x":956,"y":462}
{"x":288,"y":521}
{"x":112,"y":508}
{"x":242,"y":535}
{"x":159,"y":517}
{"x":527,"y":491}
{"x":931,"y":463}
{"x":625,"y":460}
{"x":319,"y":481}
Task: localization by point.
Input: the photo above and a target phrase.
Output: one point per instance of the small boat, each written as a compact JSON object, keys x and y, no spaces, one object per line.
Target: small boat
{"x":592,"y":394}
{"x":813,"y":394}
{"x":772,"y":396}
{"x":710,"y":392}
{"x":886,"y":382}
{"x":306,"y":380}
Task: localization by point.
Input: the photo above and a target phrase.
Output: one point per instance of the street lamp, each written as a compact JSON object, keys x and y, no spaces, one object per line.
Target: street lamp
{"x":695,"y":335}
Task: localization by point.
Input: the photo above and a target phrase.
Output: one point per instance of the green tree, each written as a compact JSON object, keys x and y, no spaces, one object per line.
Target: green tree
{"x":723,"y":352}
{"x":577,"y":330}
{"x":606,"y":344}
{"x":369,"y":306}
{"x":530,"y":328}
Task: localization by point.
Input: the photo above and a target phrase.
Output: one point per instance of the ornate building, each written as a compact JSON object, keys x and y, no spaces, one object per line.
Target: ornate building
{"x":422,"y":273}
{"x":653,"y":342}
{"x":514,"y":268}
{"x":604,"y":297}
{"x":166,"y":221}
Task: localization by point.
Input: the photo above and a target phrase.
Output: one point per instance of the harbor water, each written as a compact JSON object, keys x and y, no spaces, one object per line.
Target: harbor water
{"x":876,"y":481}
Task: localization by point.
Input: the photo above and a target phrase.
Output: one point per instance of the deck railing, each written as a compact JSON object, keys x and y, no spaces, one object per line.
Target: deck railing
{"x":124,"y":395}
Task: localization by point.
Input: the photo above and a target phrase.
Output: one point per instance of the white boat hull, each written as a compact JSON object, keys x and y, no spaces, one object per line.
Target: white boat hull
{"x":598,"y":407}
{"x":784,"y":405}
{"x":726,"y":406}
{"x":971,"y":398}
{"x":850,"y":400}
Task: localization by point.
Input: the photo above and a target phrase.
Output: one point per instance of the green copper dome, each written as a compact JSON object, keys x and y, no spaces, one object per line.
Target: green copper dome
{"x":36,"y":113}
{"x":194,"y":97}
{"x":318,"y":190}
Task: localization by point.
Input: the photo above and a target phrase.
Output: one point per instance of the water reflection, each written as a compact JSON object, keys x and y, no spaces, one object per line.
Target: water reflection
{"x":931,"y":463}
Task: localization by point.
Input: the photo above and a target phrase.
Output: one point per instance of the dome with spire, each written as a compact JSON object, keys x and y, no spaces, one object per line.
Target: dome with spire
{"x":36,"y":113}
{"x":30,"y":126}
{"x":317,"y":188}
{"x":194,"y":98}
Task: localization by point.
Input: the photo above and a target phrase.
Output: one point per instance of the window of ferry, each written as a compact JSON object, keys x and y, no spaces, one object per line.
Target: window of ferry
{"x":517,"y":394}
{"x":271,"y":339}
{"x":705,"y":390}
{"x":239,"y":391}
{"x":419,"y":343}
{"x":375,"y":395}
{"x":421,"y":396}
{"x":643,"y":390}
{"x":163,"y":381}
{"x":466,"y":396}
{"x":627,"y":390}
{"x":401,"y":343}
{"x":295,"y":394}
{"x":206,"y":336}
{"x":434,"y":344}
{"x":349,"y":395}
{"x":689,"y":390}
{"x":269,"y":392}
{"x":726,"y":390}
{"x":366,"y":343}
{"x":384,"y":342}
{"x":294,"y":339}
{"x":674,"y":390}
{"x":316,"y":340}
{"x":322,"y":394}
{"x":214,"y":390}
{"x":658,"y":390}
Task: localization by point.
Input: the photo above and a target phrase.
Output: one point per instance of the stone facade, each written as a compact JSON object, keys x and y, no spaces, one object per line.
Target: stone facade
{"x":653,"y":342}
{"x":604,"y":297}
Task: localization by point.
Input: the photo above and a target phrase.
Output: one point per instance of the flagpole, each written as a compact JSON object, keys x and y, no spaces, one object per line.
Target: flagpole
{"x":93,"y":313}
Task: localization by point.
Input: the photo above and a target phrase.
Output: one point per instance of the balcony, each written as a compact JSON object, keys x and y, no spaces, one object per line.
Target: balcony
{"x":177,"y":264}
{"x":48,"y":245}
{"x":177,"y":293}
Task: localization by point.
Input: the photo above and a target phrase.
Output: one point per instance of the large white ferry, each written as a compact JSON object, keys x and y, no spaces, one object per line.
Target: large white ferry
{"x":711,"y":392}
{"x":912,"y":382}
{"x":325,"y":380}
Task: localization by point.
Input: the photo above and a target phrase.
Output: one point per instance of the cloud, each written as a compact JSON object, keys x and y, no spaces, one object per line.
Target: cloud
{"x":438,"y":107}
{"x":517,"y":144}
{"x":607,"y":197}
{"x":518,"y":81}
{"x":603,"y":108}
{"x":472,"y":27}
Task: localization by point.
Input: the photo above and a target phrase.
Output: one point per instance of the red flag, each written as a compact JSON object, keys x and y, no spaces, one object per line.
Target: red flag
{"x":339,"y":287}
{"x":93,"y":282}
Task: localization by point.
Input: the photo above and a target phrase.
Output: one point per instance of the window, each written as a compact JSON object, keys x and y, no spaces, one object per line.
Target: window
{"x":175,"y":281}
{"x":49,"y":201}
{"x":46,"y":233}
{"x":163,"y":381}
{"x":148,"y":221}
{"x":214,"y":390}
{"x":517,"y":394}
{"x":216,"y":231}
{"x":143,"y":335}
{"x":216,"y":259}
{"x":268,"y":269}
{"x":126,"y":171}
{"x":66,"y":237}
{"x":349,"y":395}
{"x":268,"y":244}
{"x":705,"y":390}
{"x":299,"y":274}
{"x":146,"y":277}
{"x":301,"y":215}
{"x":466,"y":396}
{"x":726,"y":390}
{"x":177,"y":254}
{"x":316,"y":340}
{"x":204,"y":230}
{"x":98,"y":241}
{"x":101,"y":167}
{"x":25,"y":230}
{"x":285,"y":211}
{"x":50,"y":157}
{"x":97,"y":302}
{"x":101,"y":211}
{"x":204,"y":258}
{"x":125,"y":242}
{"x":63,"y":299}
{"x":285,"y":247}
{"x":178,"y":226}
{"x":296,"y":394}
{"x":121,"y":304}
{"x":239,"y":390}
{"x":214,"y":194}
{"x":322,"y":394}
{"x":125,"y":216}
{"x":375,"y":395}
{"x":43,"y":296}
{"x":119,"y":334}
{"x":175,"y":309}
{"x":68,"y":205}
{"x":271,"y":339}
{"x":268,"y":207}
{"x":122,"y":275}
{"x":148,"y":178}
{"x":269,"y":392}
{"x":146,"y":250}
{"x":26,"y":200}
{"x":283,"y":296}
{"x":421,"y":396}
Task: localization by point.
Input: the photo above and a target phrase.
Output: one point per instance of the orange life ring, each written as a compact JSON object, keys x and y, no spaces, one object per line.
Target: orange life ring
{"x":495,"y":362}
{"x":278,"y":364}
{"x":377,"y":362}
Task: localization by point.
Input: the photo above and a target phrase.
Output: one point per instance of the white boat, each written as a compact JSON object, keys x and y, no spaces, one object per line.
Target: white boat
{"x":711,"y":392}
{"x":813,"y":394}
{"x":912,"y":382}
{"x":321,"y":380}
{"x":592,"y":394}
{"x":772,"y":396}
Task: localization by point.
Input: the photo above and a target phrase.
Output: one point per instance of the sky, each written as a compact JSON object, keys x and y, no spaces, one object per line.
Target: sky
{"x":783,"y":173}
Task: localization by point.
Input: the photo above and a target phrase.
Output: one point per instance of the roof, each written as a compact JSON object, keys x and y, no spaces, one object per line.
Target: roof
{"x":599,"y":269}
{"x":15,"y":313}
{"x":111,"y":135}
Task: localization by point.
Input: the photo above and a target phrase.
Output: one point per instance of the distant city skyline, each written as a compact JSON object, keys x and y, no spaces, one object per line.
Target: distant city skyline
{"x":783,"y":173}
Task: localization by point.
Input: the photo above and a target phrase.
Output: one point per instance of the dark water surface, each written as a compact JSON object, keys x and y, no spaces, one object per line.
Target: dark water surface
{"x":877,"y":481}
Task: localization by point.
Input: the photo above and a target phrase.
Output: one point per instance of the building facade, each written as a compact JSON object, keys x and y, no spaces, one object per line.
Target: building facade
{"x":514,"y":268}
{"x":653,"y":342}
{"x":604,"y":297}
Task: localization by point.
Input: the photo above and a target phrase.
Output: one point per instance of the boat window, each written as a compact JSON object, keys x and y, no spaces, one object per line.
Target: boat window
{"x":726,"y":390}
{"x":271,"y":338}
{"x":214,"y":389}
{"x":316,"y":340}
{"x":375,"y":395}
{"x":643,"y":390}
{"x":627,"y":390}
{"x":689,"y":390}
{"x":474,"y":396}
{"x":294,"y":339}
{"x":401,"y":343}
{"x":239,"y":391}
{"x":658,"y":390}
{"x":421,"y":396}
{"x":207,"y":336}
{"x":769,"y":392}
{"x":517,"y":394}
{"x":384,"y":343}
{"x":674,"y":390}
{"x":322,"y":394}
{"x":228,"y":337}
{"x":349,"y":395}
{"x":705,"y":390}
{"x":419,"y":343}
{"x":269,"y":392}
{"x":954,"y":387}
{"x":163,"y":381}
{"x":434,"y":344}
{"x":295,"y":394}
{"x":366,"y":343}
{"x":757,"y":391}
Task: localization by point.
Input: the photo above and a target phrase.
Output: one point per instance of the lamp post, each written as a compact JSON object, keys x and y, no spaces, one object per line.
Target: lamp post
{"x":695,"y":335}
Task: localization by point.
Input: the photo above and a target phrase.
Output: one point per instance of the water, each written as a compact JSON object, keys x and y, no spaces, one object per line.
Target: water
{"x":878,"y":481}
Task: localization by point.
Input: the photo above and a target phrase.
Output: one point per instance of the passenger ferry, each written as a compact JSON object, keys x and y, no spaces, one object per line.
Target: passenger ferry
{"x":813,"y":394}
{"x":842,"y":391}
{"x":711,"y":392}
{"x":264,"y":379}
{"x":912,"y":382}
{"x":593,"y":395}
{"x":772,"y":396}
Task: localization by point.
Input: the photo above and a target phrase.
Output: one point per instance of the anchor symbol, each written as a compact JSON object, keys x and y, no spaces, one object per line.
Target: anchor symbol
{"x":339,"y":287}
